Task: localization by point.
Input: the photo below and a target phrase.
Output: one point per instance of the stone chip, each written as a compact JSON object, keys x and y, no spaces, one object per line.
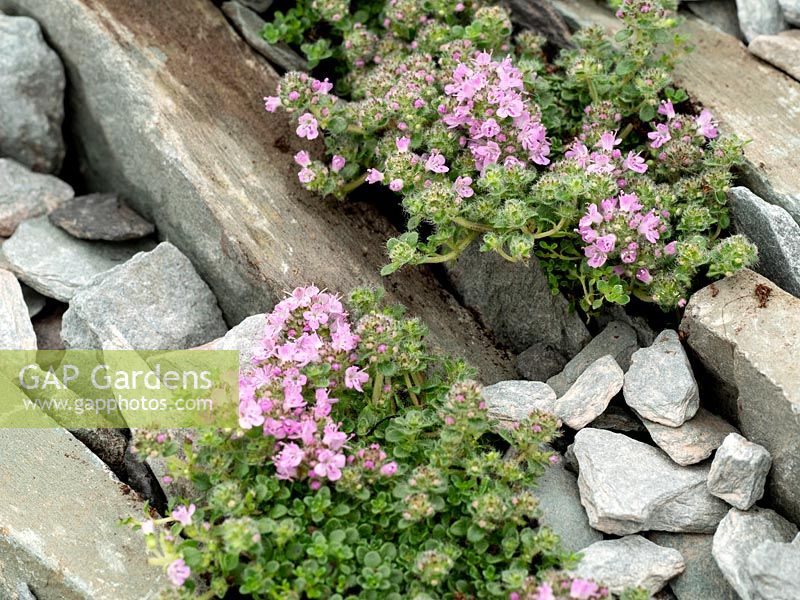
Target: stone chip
{"x":100,"y":217}
{"x":739,"y":471}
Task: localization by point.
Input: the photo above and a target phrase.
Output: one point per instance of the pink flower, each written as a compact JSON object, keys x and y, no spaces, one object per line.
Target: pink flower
{"x":306,"y":175}
{"x":579,"y":153}
{"x":644,"y":276}
{"x":462,"y":187}
{"x":634,"y":163}
{"x":606,"y":243}
{"x":302,"y":158}
{"x":544,"y":592}
{"x":183,"y":515}
{"x":354,"y":377}
{"x":671,"y":248}
{"x":396,"y":185}
{"x":287,"y":460}
{"x":271,"y":103}
{"x":666,"y":109}
{"x":337,"y":163}
{"x":307,"y":126}
{"x":178,"y":572}
{"x":321,"y":87}
{"x":628,"y":255}
{"x":597,"y":258}
{"x":706,"y":125}
{"x":329,"y":464}
{"x":389,"y":469}
{"x":629,"y":202}
{"x":581,"y":589}
{"x":374,"y":176}
{"x":489,"y":128}
{"x":436,"y":163}
{"x":660,"y":136}
{"x":148,"y":527}
{"x":402,"y":143}
{"x":607,"y":141}
{"x":648,"y":227}
{"x":333,"y":438}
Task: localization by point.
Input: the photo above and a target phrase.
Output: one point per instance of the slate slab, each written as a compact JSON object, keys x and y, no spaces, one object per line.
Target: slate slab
{"x":100,"y":217}
{"x":25,"y":194}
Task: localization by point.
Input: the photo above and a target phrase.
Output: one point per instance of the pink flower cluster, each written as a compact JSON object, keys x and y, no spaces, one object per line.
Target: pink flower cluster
{"x":572,"y":589}
{"x":681,"y":126}
{"x":605,"y":158}
{"x":487,"y":100}
{"x":307,"y":328}
{"x":620,"y":228}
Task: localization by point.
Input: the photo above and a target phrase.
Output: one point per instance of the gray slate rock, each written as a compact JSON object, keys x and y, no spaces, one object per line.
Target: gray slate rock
{"x":702,"y":579}
{"x":590,"y":394}
{"x":16,"y":330}
{"x":33,"y":299}
{"x":560,"y":503}
{"x":542,"y":18}
{"x":660,"y":385}
{"x":771,"y":228}
{"x":250,"y":25}
{"x":515,"y":400}
{"x":100,"y":217}
{"x":620,"y":419}
{"x":154,"y":301}
{"x":256,"y":5}
{"x":25,"y":194}
{"x":629,"y":562}
{"x":720,"y":13}
{"x":692,"y":442}
{"x":627,"y":486}
{"x":774,"y":571}
{"x":738,"y":535}
{"x":781,"y":51}
{"x":56,"y":264}
{"x":48,"y":329}
{"x":760,"y":17}
{"x":617,"y":339}
{"x":791,"y":11}
{"x":749,"y":350}
{"x":32,"y":85}
{"x":539,"y":362}
{"x":739,"y":472}
{"x":244,"y":338}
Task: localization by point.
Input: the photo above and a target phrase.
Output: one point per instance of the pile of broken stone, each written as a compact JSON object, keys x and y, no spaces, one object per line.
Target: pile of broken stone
{"x":677,"y":491}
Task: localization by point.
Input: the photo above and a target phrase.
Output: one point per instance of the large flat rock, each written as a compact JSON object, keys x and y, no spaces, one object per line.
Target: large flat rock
{"x":16,"y":330}
{"x":751,"y":99}
{"x":746,"y":332}
{"x":60,"y":508}
{"x":166,"y":109}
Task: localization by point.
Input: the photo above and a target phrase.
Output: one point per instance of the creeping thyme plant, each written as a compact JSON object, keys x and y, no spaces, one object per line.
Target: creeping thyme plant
{"x":360,"y":469}
{"x":590,"y":162}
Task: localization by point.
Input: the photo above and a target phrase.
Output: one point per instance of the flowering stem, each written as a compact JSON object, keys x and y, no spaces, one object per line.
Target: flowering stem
{"x":410,"y":385}
{"x":440,"y":258}
{"x":470,"y":225}
{"x":355,"y":129}
{"x":642,"y":295}
{"x":505,"y":255}
{"x":353,"y":184}
{"x":377,"y":388}
{"x":550,"y":232}
{"x":626,"y":131}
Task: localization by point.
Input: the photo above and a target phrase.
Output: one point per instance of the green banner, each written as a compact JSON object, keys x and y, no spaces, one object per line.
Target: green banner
{"x":119,"y":388}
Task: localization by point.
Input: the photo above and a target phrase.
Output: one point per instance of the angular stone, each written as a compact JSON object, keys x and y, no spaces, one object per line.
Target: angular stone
{"x":515,"y":400}
{"x":773,"y":570}
{"x":16,"y":331}
{"x":32,"y":96}
{"x":539,"y":362}
{"x":48,"y":329}
{"x":760,"y":17}
{"x":154,"y":301}
{"x":702,"y":579}
{"x":739,"y":534}
{"x":773,"y":230}
{"x":791,"y":11}
{"x":56,"y":264}
{"x":590,"y":394}
{"x":692,"y":442}
{"x":543,"y":19}
{"x":781,"y":51}
{"x":620,"y":419}
{"x":244,"y":338}
{"x":719,"y":13}
{"x":100,"y":217}
{"x":147,"y":122}
{"x":746,"y":333}
{"x":629,"y":562}
{"x":560,"y":503}
{"x":739,"y":472}
{"x":25,"y":194}
{"x":627,"y":486}
{"x":617,"y":339}
{"x":250,"y":25}
{"x":660,"y":385}
{"x":60,"y":508}
{"x":33,"y":299}
{"x":515,"y":302}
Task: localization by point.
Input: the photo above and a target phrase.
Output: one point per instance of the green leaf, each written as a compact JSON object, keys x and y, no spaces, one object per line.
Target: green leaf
{"x":647,"y":113}
{"x":372,"y":559}
{"x":475,"y":534}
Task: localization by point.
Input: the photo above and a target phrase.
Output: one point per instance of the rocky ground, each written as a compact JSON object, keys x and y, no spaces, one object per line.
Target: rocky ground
{"x":680,"y":468}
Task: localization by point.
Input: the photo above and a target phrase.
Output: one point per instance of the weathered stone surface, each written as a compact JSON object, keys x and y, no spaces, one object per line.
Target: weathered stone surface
{"x":620,"y":419}
{"x":146,"y":120}
{"x":629,"y":562}
{"x":244,"y":338}
{"x":627,"y":486}
{"x":751,"y":100}
{"x":773,"y":230}
{"x":739,"y":472}
{"x":515,"y":302}
{"x":154,"y":301}
{"x":590,"y":394}
{"x":791,"y":10}
{"x":100,"y":217}
{"x":660,"y":385}
{"x":542,"y":18}
{"x":781,"y":51}
{"x":773,"y":570}
{"x":32,"y":96}
{"x":692,"y":442}
{"x":560,"y":503}
{"x":60,"y":508}
{"x":256,"y":5}
{"x":515,"y":400}
{"x":48,"y":329}
{"x":16,"y":331}
{"x":33,"y":300}
{"x":56,"y":264}
{"x":539,"y":362}
{"x":760,"y":17}
{"x":752,"y":342}
{"x":739,"y":534}
{"x":702,"y":579}
{"x":25,"y":194}
{"x":617,"y":339}
{"x":719,"y":13}
{"x":250,"y":25}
